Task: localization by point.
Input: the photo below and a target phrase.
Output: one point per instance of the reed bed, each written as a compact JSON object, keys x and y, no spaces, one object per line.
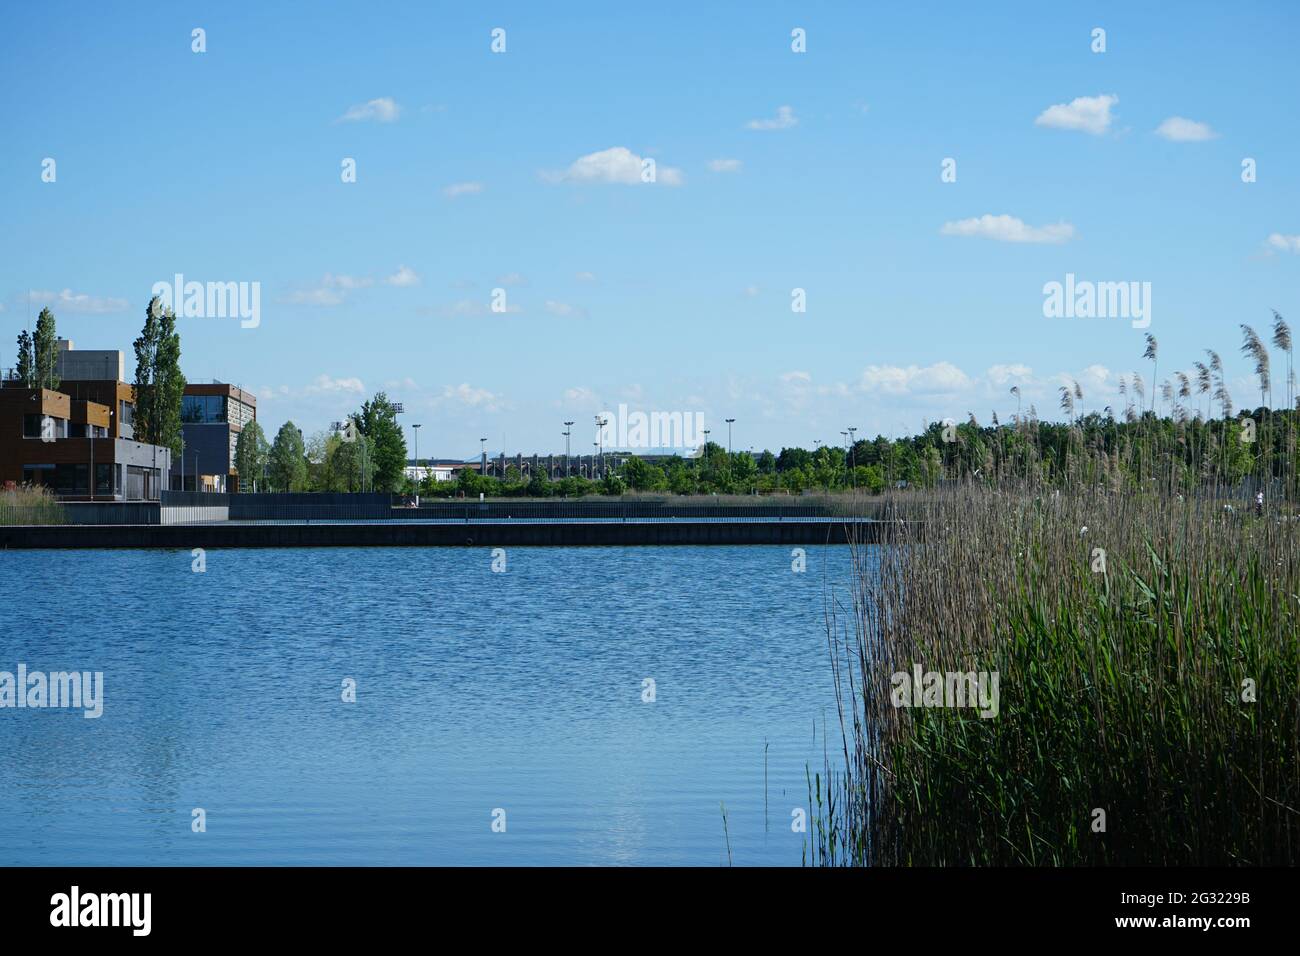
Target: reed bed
{"x":28,"y":504}
{"x":1161,"y":687}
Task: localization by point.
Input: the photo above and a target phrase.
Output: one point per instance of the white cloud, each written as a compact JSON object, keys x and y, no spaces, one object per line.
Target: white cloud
{"x":618,"y":165}
{"x":69,"y":301}
{"x":512,"y":279}
{"x":1095,"y":378}
{"x":784,"y":119}
{"x":347,"y":282}
{"x":1176,"y":129}
{"x":724,"y":165}
{"x":326,"y":384}
{"x":382,"y":110}
{"x":473,"y":308}
{"x":467,"y":395}
{"x":1000,"y":375}
{"x":1090,"y":114}
{"x":1006,"y":228}
{"x":331,"y":291}
{"x":564,"y":309}
{"x":942,"y":377}
{"x":314,"y":297}
{"x":1285,"y":243}
{"x":790,"y":378}
{"x":586,"y":277}
{"x":456,"y":190}
{"x":403,"y":277}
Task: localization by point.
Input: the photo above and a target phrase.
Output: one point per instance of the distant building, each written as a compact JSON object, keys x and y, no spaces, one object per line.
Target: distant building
{"x":441,"y":469}
{"x":212,"y":416}
{"x":58,"y":439}
{"x":89,"y":365}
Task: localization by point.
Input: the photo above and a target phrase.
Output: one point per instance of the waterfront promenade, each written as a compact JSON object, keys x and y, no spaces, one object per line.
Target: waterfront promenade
{"x":304,"y":520}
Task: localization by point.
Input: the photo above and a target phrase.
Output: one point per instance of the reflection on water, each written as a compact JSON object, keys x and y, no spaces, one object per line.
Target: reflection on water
{"x":475,"y":691}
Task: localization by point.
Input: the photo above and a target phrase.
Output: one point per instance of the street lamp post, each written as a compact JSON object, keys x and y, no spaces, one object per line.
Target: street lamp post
{"x":568,"y":430}
{"x":482,"y":461}
{"x":600,"y":439}
{"x":729,"y":422}
{"x":853,"y":478}
{"x":416,"y":429}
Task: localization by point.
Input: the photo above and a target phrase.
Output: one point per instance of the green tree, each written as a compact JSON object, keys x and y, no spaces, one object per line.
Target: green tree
{"x":354,"y":464}
{"x":25,"y":367}
{"x":250,"y":456}
{"x":574,"y":486}
{"x":322,"y":463}
{"x":539,"y":484}
{"x":744,"y":471}
{"x":793,"y":458}
{"x":377,"y":420}
{"x":643,"y":476}
{"x":288,"y":462}
{"x":45,"y":351}
{"x":159,"y":384}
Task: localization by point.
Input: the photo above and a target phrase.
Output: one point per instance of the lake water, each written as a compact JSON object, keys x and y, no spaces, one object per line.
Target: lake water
{"x":475,"y":692}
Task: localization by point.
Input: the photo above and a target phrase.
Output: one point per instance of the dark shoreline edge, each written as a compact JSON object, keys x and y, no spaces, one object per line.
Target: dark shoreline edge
{"x":381,"y":534}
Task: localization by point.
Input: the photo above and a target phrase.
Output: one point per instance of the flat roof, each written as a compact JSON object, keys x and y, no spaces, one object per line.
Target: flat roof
{"x":218,"y":388}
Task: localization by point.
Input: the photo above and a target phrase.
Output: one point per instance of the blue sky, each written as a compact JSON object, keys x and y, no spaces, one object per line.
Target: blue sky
{"x":775,"y":170}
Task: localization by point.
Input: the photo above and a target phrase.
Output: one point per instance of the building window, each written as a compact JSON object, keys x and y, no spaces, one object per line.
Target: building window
{"x":38,"y":474}
{"x":125,"y":419}
{"x":71,"y":479}
{"x":32,"y":425}
{"x":203,"y":409}
{"x":240,"y":414}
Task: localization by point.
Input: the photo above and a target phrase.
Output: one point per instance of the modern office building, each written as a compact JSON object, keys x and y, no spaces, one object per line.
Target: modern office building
{"x":60,"y":438}
{"x":212,"y":416}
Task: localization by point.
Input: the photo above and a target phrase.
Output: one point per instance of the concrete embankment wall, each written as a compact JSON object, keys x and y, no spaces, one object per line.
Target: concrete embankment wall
{"x":382,"y":534}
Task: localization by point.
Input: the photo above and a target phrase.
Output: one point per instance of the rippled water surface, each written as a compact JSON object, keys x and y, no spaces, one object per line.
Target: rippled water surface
{"x":475,"y":691}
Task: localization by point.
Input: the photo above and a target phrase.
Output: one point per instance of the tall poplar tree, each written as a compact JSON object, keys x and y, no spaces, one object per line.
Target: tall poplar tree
{"x":45,"y":349}
{"x":159,"y":384}
{"x":25,"y":367}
